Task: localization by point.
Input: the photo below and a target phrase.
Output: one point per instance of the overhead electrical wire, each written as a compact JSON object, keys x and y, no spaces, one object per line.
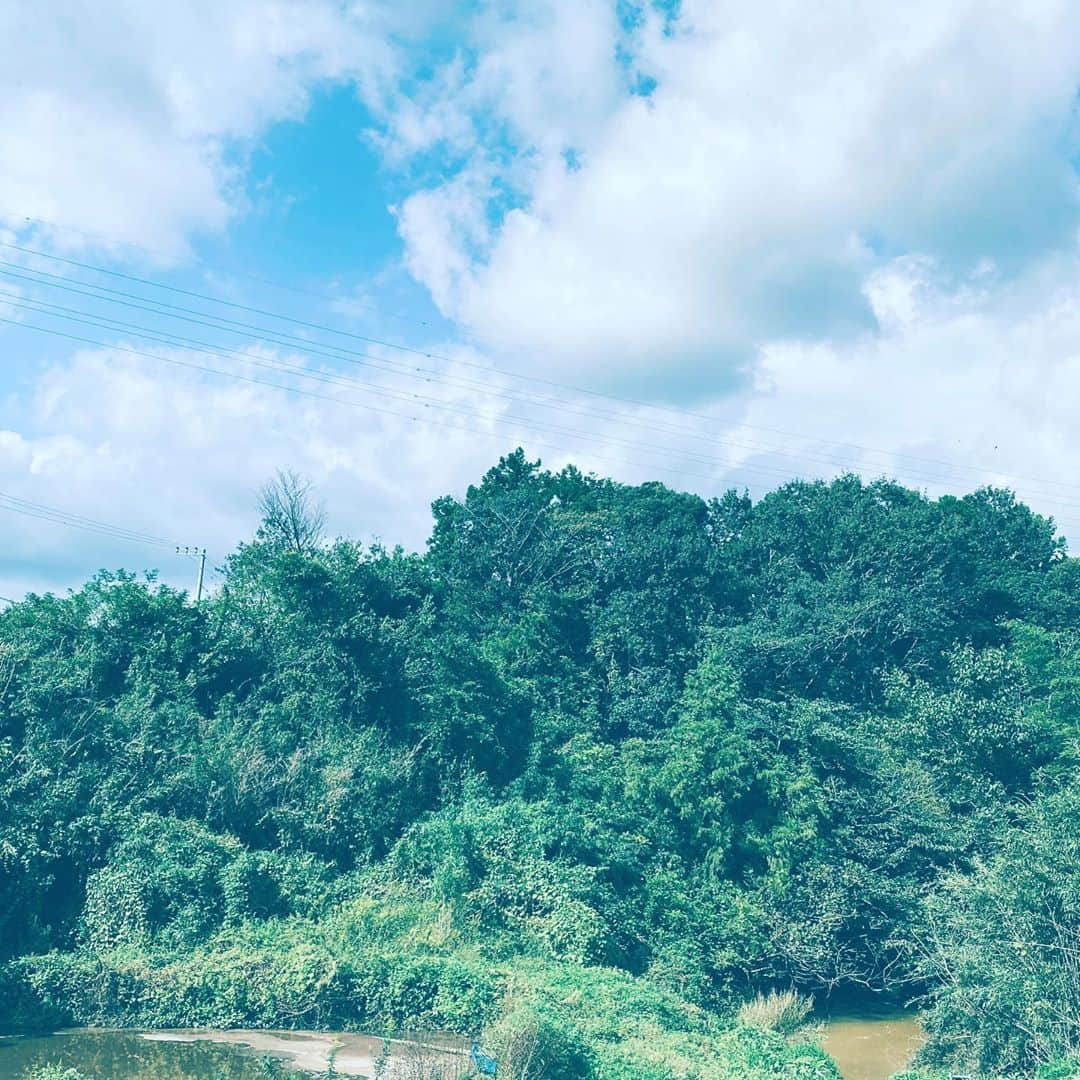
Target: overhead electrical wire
{"x":371,"y":340}
{"x":422,"y":417}
{"x":171,"y":257}
{"x":174,"y":340}
{"x":335,"y":352}
{"x":18,"y":505}
{"x":890,"y":454}
{"x":371,"y":360}
{"x":427,"y":374}
{"x":319,"y":377}
{"x":305,"y":347}
{"x":168,"y":337}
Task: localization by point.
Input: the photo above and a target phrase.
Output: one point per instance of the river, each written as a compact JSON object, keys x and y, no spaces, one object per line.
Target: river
{"x":872,"y":1047}
{"x":864,"y":1048}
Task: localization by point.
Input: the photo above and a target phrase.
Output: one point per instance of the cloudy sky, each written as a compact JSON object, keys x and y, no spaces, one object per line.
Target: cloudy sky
{"x":711,"y":243}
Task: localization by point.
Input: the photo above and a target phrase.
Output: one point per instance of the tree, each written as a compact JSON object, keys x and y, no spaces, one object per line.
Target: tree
{"x":291,"y":518}
{"x":828,"y":739}
{"x":1000,"y":948}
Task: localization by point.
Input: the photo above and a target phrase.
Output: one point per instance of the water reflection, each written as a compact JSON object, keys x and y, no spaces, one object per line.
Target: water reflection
{"x":123,"y":1055}
{"x":232,"y":1055}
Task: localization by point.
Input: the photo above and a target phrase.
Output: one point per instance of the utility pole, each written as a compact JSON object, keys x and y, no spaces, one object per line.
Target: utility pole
{"x":202,"y":569}
{"x":199,"y":554}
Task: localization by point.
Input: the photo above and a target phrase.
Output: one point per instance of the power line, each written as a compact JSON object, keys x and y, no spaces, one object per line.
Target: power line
{"x":168,"y":338}
{"x":57,"y":516}
{"x":340,"y":353}
{"x":18,"y":505}
{"x":322,"y":327}
{"x":363,"y":359}
{"x":175,"y":340}
{"x":426,"y":374}
{"x":333,"y":352}
{"x":288,"y":369}
{"x":419,"y":418}
{"x":170,"y":257}
{"x":226,"y":303}
{"x":978,"y":470}
{"x":359,"y":386}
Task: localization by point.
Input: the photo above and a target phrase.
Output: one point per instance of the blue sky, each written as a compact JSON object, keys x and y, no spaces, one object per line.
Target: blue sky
{"x":713,"y":244}
{"x":321,"y":199}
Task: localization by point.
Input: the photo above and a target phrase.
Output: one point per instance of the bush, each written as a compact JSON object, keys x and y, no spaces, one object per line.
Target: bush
{"x":22,"y":1008}
{"x":531,"y":1045}
{"x":1059,"y":1070}
{"x":381,"y":965}
{"x":173,"y":882}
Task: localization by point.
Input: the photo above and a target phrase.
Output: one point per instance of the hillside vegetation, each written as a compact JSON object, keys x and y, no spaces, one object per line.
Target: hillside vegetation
{"x":596,"y":768}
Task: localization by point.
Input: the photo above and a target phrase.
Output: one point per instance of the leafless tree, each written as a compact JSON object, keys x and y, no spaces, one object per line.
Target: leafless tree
{"x":291,"y":517}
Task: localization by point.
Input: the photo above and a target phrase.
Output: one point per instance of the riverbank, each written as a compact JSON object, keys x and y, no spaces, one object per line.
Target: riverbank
{"x":863,"y":1048}
{"x":362,"y":970}
{"x":102,"y":1054}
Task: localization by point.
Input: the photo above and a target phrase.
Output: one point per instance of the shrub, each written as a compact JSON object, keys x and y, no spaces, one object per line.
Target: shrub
{"x":532,"y":1045}
{"x":22,"y":1008}
{"x":1059,"y":1070}
{"x":173,"y":882}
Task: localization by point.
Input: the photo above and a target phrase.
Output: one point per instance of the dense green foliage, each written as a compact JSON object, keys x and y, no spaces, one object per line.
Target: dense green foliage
{"x":611,"y":757}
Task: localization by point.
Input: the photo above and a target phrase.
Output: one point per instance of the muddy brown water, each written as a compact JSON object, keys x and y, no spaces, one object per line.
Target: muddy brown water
{"x":872,"y":1048}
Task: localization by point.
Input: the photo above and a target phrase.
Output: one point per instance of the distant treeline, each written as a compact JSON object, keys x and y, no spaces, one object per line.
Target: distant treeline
{"x":600,"y":764}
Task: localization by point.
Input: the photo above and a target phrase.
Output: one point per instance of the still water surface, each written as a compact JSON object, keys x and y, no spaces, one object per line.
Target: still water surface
{"x":223,"y":1055}
{"x":872,"y":1048}
{"x":125,"y":1055}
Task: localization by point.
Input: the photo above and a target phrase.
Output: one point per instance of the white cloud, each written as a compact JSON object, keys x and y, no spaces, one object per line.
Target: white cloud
{"x":180,"y":454}
{"x":544,"y":75}
{"x":970,"y":381}
{"x":784,"y":154}
{"x":120,"y":117}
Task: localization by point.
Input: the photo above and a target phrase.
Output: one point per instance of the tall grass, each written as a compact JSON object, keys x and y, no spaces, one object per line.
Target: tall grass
{"x":784,"y":1011}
